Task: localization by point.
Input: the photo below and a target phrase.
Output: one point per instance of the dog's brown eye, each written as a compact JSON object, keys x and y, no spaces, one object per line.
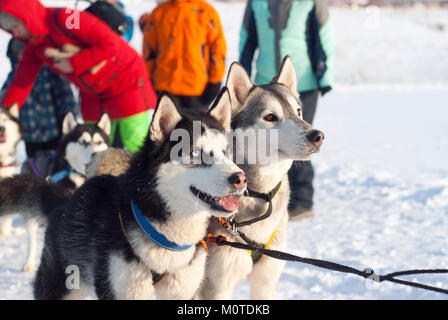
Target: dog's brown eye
{"x":299,"y":112}
{"x":270,"y":117}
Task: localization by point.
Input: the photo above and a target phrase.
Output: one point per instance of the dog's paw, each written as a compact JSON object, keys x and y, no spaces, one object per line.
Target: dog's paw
{"x":29,"y":268}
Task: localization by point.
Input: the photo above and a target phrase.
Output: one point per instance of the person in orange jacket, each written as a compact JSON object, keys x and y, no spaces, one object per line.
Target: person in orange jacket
{"x":184,"y":50}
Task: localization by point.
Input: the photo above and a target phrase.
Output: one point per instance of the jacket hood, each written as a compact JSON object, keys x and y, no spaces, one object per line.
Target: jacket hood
{"x":31,"y":12}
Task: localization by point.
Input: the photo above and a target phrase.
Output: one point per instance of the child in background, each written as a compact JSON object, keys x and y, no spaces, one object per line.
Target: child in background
{"x":43,"y":111}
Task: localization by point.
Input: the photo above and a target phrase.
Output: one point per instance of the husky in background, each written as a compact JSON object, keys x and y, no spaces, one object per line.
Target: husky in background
{"x":11,"y":132}
{"x":274,"y":106}
{"x":139,"y":234}
{"x":67,"y":166}
{"x":48,"y":181}
{"x":33,"y":198}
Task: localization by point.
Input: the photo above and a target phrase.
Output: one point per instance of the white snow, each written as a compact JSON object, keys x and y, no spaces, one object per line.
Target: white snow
{"x":382,"y":177}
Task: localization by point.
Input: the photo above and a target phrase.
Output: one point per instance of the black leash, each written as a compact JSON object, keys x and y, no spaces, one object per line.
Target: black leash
{"x":366,"y":273}
{"x":264,"y":196}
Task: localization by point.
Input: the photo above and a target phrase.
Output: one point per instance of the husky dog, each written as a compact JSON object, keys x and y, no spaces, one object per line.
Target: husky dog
{"x":139,"y":234}
{"x":32,"y":197}
{"x":272,"y":107}
{"x":68,"y":165}
{"x":11,"y":132}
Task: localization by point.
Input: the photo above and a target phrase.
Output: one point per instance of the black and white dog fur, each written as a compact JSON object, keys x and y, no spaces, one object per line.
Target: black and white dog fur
{"x":79,"y":143}
{"x":97,"y":233}
{"x":32,"y":197}
{"x":11,"y":132}
{"x":274,"y":106}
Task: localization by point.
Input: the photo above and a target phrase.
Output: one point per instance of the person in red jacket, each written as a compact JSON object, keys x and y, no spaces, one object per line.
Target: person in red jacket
{"x":111,"y":75}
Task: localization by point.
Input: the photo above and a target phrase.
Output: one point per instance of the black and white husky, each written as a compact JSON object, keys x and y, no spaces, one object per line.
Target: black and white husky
{"x":11,"y":132}
{"x":48,"y":180}
{"x":274,"y":110}
{"x":139,"y":234}
{"x":67,"y":167}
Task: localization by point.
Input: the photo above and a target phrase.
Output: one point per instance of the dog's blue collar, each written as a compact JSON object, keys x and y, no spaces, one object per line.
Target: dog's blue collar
{"x":60,"y":175}
{"x":155,"y":236}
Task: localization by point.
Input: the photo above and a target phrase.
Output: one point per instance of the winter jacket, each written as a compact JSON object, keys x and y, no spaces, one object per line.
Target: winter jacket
{"x":43,"y":111}
{"x":110,"y":75}
{"x":298,"y":28}
{"x":184,"y":46}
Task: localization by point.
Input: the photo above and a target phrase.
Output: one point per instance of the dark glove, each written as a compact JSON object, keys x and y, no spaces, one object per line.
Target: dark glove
{"x":142,"y":20}
{"x":210,"y":93}
{"x":324,"y":90}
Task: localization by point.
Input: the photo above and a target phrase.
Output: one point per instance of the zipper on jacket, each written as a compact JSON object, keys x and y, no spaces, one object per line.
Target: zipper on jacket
{"x":141,"y":84}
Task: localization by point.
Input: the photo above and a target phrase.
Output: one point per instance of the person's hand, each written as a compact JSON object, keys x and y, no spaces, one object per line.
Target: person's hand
{"x":63,"y":65}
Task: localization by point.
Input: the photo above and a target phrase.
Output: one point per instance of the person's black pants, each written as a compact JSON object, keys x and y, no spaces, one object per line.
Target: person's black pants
{"x":190,"y":103}
{"x":301,"y":173}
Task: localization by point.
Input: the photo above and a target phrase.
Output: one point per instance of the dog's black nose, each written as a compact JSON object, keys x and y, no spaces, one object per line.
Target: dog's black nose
{"x":238,"y":180}
{"x":316,"y":137}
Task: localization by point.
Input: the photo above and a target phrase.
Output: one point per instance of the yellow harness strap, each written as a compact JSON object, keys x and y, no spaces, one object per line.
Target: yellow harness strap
{"x":267,"y":244}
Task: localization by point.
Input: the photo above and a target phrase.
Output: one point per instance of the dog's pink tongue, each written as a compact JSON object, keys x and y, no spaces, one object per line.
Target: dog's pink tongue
{"x":229,"y":203}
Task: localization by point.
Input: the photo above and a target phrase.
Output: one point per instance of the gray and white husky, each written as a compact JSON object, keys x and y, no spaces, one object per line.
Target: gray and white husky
{"x":138,"y":234}
{"x":48,"y":180}
{"x":11,"y":132}
{"x":271,"y":108}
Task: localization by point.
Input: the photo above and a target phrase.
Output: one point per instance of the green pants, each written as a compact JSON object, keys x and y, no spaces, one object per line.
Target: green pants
{"x":132,"y":131}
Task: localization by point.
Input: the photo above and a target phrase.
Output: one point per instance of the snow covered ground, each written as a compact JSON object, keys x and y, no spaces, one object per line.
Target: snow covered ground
{"x":382,"y":176}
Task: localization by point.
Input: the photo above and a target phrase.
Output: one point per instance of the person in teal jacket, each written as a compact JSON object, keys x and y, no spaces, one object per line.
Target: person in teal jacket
{"x":302,"y":30}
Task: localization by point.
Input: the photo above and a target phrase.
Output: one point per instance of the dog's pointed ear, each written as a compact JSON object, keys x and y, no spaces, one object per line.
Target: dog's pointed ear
{"x":105,"y":123}
{"x":69,"y":123}
{"x":287,"y":75}
{"x":239,"y":84}
{"x":165,"y":118}
{"x":222,"y":108}
{"x":14,"y":110}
